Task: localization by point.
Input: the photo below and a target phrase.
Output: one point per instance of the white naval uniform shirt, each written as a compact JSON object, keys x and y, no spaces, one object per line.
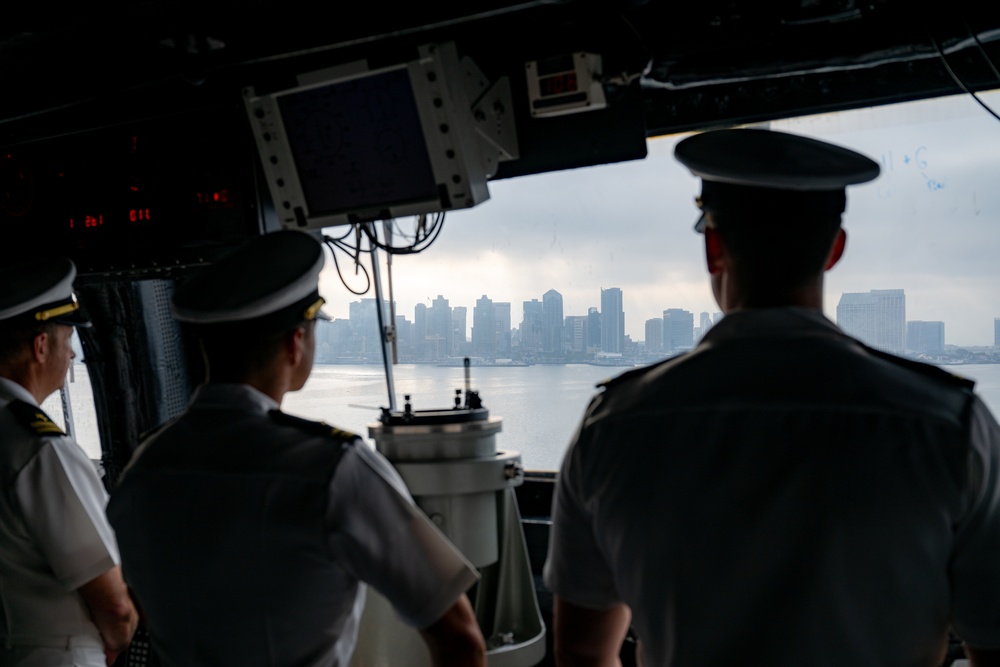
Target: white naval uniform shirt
{"x":248,"y":540}
{"x":783,"y":495}
{"x":55,"y":538}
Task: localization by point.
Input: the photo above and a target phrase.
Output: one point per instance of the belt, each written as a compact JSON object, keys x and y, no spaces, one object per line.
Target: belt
{"x":51,"y":641}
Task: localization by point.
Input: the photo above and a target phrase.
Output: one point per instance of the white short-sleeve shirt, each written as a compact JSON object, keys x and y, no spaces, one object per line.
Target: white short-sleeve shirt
{"x":55,"y":534}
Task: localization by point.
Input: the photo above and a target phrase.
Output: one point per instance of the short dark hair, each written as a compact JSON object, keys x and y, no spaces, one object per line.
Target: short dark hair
{"x":776,"y":252}
{"x":232,"y":351}
{"x":15,"y":339}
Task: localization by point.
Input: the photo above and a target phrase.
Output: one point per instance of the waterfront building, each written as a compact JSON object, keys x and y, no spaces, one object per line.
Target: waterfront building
{"x":654,"y":335}
{"x":576,"y":333}
{"x":484,"y":329}
{"x":593,"y":329}
{"x":440,"y":328}
{"x":459,"y":320}
{"x":996,"y":332}
{"x":404,"y":334}
{"x":612,"y":321}
{"x":678,"y":330}
{"x":531,"y":327}
{"x":876,"y":318}
{"x":925,"y":337}
{"x":501,"y":323}
{"x":418,"y":332}
{"x":552,"y":322}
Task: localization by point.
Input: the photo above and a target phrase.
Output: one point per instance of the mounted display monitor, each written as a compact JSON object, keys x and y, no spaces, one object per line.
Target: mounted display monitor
{"x":357,"y":144}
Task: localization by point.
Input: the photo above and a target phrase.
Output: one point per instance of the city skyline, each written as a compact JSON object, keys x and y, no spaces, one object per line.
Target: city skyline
{"x":848,"y":300}
{"x":926,"y":225}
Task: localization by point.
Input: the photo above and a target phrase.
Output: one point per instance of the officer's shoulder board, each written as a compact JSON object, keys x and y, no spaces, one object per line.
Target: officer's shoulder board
{"x":34,"y":418}
{"x":925,"y":369}
{"x":312,"y":427}
{"x":636,"y":372}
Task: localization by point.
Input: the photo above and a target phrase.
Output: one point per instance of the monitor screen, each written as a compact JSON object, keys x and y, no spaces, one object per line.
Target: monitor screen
{"x":358,"y":144}
{"x":353,"y":143}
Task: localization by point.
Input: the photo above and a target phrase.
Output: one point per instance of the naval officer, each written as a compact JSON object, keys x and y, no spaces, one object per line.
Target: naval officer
{"x":62,"y":598}
{"x":248,"y":535}
{"x":782,"y":494}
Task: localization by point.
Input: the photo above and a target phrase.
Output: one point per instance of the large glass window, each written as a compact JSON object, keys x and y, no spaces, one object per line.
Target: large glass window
{"x":922,"y":239}
{"x":72,"y":407}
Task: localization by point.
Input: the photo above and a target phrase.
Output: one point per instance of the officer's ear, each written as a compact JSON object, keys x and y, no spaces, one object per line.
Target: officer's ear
{"x":837,"y":250}
{"x":40,"y":345}
{"x":715,"y":257}
{"x":295,"y":345}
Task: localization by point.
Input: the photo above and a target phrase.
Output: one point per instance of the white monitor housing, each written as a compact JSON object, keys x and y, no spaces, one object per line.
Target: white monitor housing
{"x":357,"y":144}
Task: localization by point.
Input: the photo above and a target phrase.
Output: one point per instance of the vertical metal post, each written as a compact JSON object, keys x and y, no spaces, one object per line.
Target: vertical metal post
{"x":67,"y":406}
{"x":384,"y":331}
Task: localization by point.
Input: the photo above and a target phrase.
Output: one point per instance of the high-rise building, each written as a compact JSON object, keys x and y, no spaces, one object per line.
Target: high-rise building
{"x":459,"y":318}
{"x":593,"y":329}
{"x":877,"y":318}
{"x":501,"y":322}
{"x":531,"y":327}
{"x":404,"y":333}
{"x":925,"y":337}
{"x":704,"y":324}
{"x":552,"y":322}
{"x":418,"y":333}
{"x":996,"y":332}
{"x":484,"y":328}
{"x":576,"y":332}
{"x":678,"y":330}
{"x":440,"y":328}
{"x":612,"y":321}
{"x":654,"y":335}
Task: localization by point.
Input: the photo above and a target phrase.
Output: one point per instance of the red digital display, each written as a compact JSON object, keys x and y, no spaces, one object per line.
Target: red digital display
{"x":558,"y":84}
{"x":87,"y":222}
{"x":213,"y":198}
{"x":138,"y":214}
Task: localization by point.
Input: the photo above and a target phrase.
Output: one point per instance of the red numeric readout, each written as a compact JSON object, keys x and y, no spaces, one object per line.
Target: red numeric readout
{"x":559,"y":84}
{"x":89,"y":222}
{"x":213,"y":198}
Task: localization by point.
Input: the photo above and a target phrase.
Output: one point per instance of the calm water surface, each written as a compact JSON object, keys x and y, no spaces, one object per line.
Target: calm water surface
{"x":540,"y":405}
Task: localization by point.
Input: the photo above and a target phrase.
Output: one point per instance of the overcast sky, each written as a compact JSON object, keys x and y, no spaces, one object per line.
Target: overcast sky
{"x":930,"y":224}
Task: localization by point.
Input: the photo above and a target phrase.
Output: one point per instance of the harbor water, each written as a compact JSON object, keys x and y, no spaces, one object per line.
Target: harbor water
{"x":540,"y":405}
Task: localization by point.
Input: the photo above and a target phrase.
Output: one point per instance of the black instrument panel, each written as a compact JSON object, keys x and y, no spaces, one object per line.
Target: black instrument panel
{"x":136,"y":200}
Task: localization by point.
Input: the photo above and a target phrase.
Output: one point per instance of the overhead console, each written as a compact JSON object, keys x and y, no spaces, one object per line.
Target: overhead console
{"x":135,"y":200}
{"x":358,"y":143}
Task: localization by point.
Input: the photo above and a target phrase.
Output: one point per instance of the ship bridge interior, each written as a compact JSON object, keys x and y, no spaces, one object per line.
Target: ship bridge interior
{"x":82,"y":82}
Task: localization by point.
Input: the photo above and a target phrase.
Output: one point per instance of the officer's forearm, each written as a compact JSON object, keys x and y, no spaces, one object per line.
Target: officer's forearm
{"x":111,"y":609}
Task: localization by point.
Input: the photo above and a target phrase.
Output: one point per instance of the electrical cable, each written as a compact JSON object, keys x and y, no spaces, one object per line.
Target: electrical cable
{"x":958,"y":80}
{"x":419,"y":242}
{"x":334,"y":245}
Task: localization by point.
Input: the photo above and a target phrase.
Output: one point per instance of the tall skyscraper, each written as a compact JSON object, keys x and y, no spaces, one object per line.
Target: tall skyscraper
{"x":925,"y":337}
{"x":552,"y":322}
{"x":593,"y":329}
{"x":877,"y":318}
{"x":459,"y":322}
{"x":996,"y":332}
{"x":440,"y":328}
{"x":418,"y":333}
{"x":576,"y":332}
{"x":678,"y":330}
{"x":484,"y":329}
{"x":501,"y":320}
{"x":654,"y":335}
{"x":612,"y":321}
{"x":404,"y":333}
{"x":531,"y":327}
